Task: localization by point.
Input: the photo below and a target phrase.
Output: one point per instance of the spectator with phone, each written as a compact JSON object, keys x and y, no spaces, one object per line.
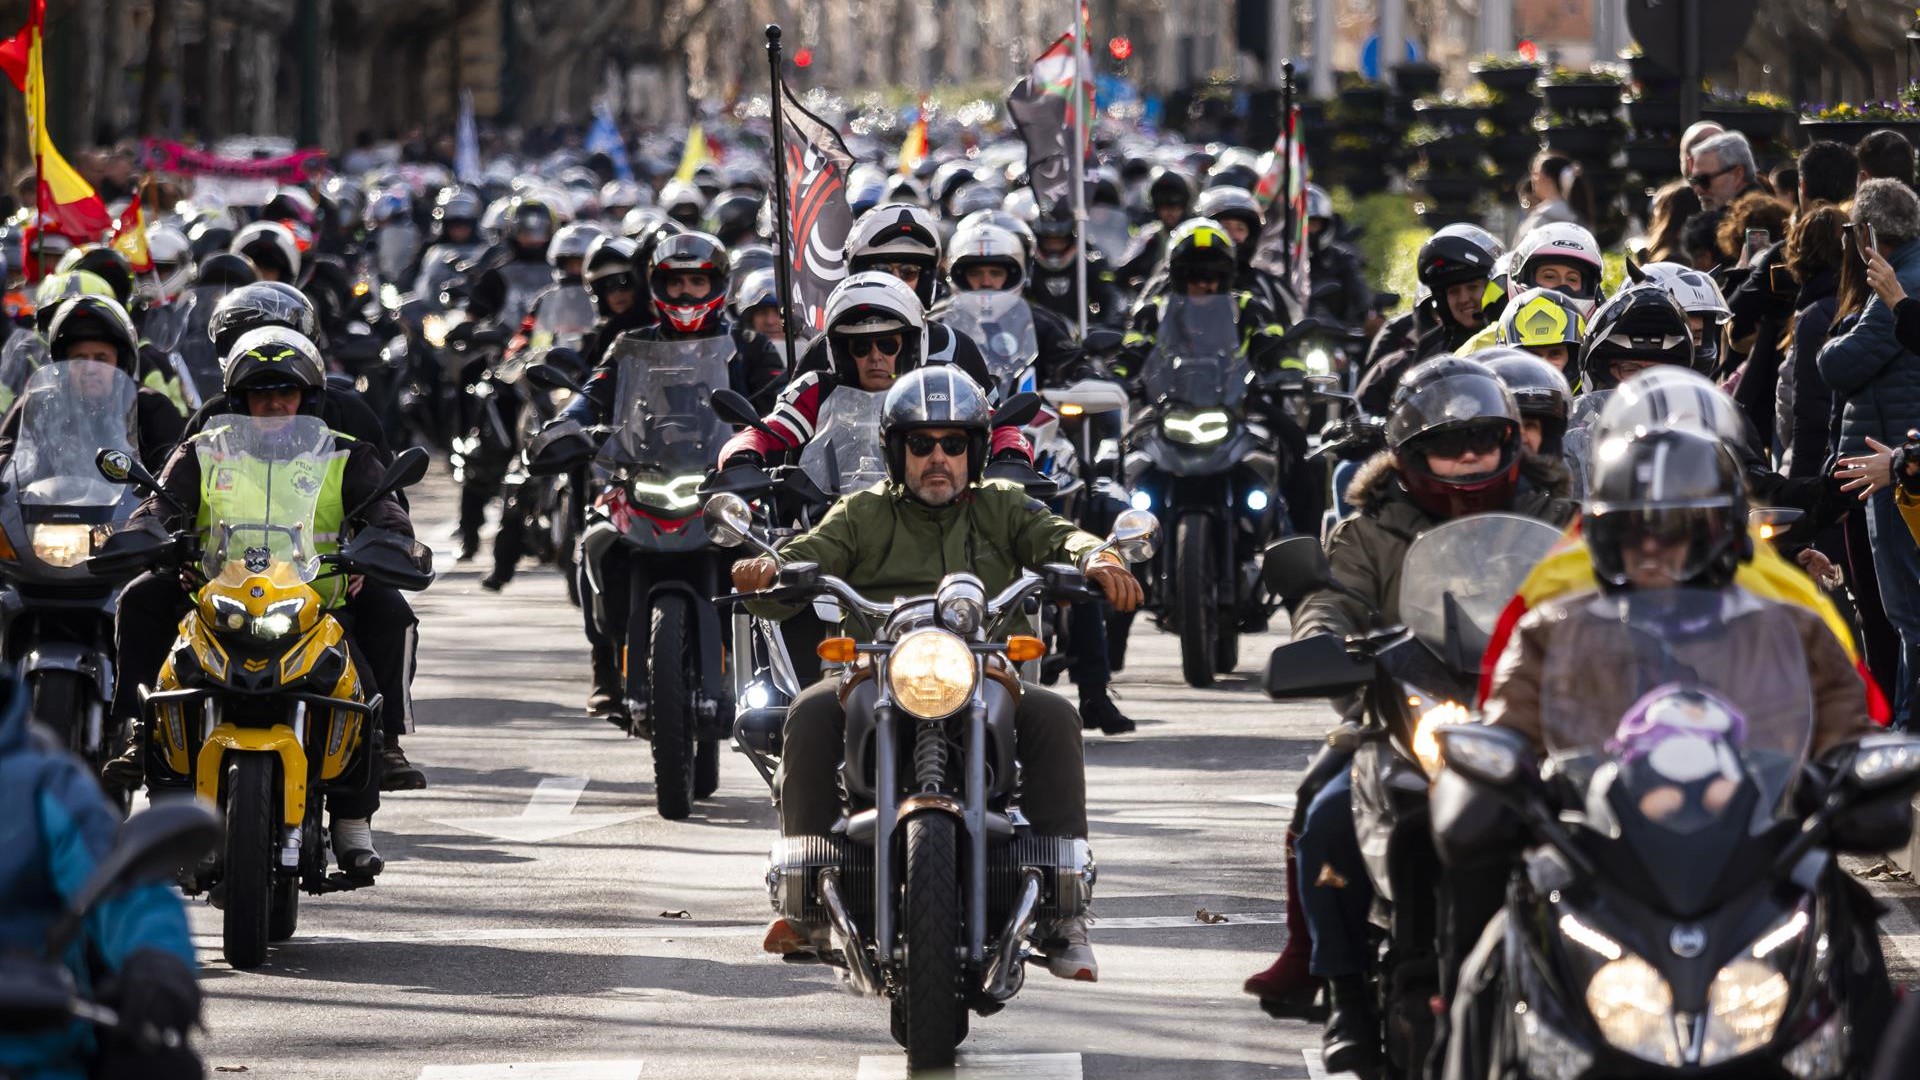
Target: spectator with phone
{"x":1876,"y":383}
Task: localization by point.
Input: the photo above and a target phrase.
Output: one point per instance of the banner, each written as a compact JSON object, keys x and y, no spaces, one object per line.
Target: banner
{"x":129,"y":236}
{"x":604,"y":138}
{"x":1283,"y":243}
{"x":913,"y":150}
{"x":1047,"y":107}
{"x":159,"y":155}
{"x":819,"y":217}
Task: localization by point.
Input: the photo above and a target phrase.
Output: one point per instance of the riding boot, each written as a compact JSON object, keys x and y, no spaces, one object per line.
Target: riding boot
{"x":604,"y":699}
{"x":1287,"y":989}
{"x":1352,"y":1039}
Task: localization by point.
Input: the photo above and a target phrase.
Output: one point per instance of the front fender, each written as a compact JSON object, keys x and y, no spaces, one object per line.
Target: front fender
{"x":713,"y":682}
{"x":277,"y":739}
{"x":69,"y":656}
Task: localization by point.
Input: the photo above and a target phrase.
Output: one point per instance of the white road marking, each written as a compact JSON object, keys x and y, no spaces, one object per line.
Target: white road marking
{"x":1317,"y":1071}
{"x":627,"y":1069}
{"x":1900,"y":933}
{"x":980,"y":1067}
{"x":1284,"y":800}
{"x":548,"y":815}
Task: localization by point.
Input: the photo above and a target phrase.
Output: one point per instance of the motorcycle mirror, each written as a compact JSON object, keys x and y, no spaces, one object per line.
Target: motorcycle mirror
{"x":155,"y":843}
{"x":728,"y":519}
{"x":1386,"y":301}
{"x":1295,"y":566}
{"x":1490,"y":755}
{"x":548,"y":377}
{"x":1017,"y":411}
{"x":119,"y":467}
{"x":408,"y":467}
{"x":1086,"y":397}
{"x":733,"y":407}
{"x":1101,"y":342}
{"x":1300,"y":331}
{"x":1773,"y":520}
{"x":1135,"y":536}
{"x":1885,"y":761}
{"x":1317,"y":666}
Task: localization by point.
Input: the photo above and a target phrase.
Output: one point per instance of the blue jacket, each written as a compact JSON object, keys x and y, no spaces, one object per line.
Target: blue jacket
{"x":1875,"y":380}
{"x":55,"y":825}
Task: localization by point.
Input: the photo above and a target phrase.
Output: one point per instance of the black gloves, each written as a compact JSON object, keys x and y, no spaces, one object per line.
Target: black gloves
{"x":745,"y":457}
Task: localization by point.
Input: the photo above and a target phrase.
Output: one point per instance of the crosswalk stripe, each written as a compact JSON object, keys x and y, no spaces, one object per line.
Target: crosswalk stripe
{"x":624,"y":1069}
{"x":980,"y":1067}
{"x":1318,"y":1071}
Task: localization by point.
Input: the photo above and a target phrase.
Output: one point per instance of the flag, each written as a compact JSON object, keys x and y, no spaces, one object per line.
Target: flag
{"x":67,"y":203}
{"x":694,"y":156}
{"x":466,"y":143}
{"x":914,"y":150}
{"x":604,"y":138}
{"x":129,"y":237}
{"x":1282,"y":247}
{"x":819,"y":218}
{"x":1051,"y":103}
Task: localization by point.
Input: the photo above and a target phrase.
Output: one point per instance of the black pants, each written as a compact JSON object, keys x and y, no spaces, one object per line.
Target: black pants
{"x":382,"y":628}
{"x":1053,"y":784}
{"x":1090,"y":664}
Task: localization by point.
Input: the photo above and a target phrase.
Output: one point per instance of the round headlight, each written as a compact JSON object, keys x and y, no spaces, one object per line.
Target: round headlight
{"x":931,"y":673}
{"x":1632,"y":1005}
{"x":1744,"y":1005}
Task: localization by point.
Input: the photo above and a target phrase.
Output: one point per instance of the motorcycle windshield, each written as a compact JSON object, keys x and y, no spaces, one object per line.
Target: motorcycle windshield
{"x":1679,"y":688}
{"x":1196,"y":357}
{"x":441,"y":267}
{"x":1107,"y":231}
{"x":166,"y":326}
{"x":71,"y":411}
{"x":1458,"y":576}
{"x":1001,"y":323}
{"x":566,"y":315}
{"x":394,"y":251}
{"x":525,"y":280}
{"x":664,"y":427}
{"x":845,"y":453}
{"x":261,"y":482}
{"x":24,"y":353}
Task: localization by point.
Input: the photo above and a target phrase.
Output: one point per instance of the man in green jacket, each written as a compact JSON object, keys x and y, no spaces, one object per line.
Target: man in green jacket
{"x":933,"y":516}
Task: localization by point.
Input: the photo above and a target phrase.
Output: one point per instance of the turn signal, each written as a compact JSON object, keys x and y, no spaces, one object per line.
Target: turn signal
{"x":836,"y":650}
{"x":6,"y":548}
{"x":1071,"y":409}
{"x":1021,"y":649}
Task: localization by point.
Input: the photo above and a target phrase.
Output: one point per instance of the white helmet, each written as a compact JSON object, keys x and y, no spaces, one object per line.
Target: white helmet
{"x":1670,"y":396}
{"x":1697,"y":292}
{"x":875,"y":302}
{"x":1562,"y":241}
{"x":572,"y":242}
{"x":172,"y":255}
{"x":986,"y":244}
{"x":264,"y":239}
{"x":897,"y":233}
{"x":683,"y":202}
{"x":624,"y":195}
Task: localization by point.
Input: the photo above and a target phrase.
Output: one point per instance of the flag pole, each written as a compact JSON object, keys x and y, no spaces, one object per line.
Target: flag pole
{"x":783,"y":228}
{"x":1081,"y":125}
{"x":1285,"y":192}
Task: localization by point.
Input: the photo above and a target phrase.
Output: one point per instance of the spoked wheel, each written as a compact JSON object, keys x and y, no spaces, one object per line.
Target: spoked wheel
{"x":1199,"y":618}
{"x":247,"y":875}
{"x":930,"y":1016}
{"x":670,"y":707}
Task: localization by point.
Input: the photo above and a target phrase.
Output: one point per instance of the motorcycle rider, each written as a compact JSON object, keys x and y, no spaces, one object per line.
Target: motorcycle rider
{"x":1454,"y":447}
{"x":1542,"y":395}
{"x":1561,"y":256}
{"x":97,"y":328}
{"x":1170,"y":195}
{"x":454,"y":240}
{"x":613,"y":278}
{"x":1054,"y":281}
{"x":898,"y":539}
{"x":1545,"y":323}
{"x":1239,"y":213}
{"x":277,"y":372}
{"x":135,"y":954}
{"x":1338,"y":270}
{"x":1455,"y":267}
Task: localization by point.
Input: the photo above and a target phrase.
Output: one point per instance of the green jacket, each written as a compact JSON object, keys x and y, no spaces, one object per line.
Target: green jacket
{"x":886,"y":544}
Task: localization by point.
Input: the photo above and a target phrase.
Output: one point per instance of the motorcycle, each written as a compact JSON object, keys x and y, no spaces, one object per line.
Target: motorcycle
{"x":1456,"y":578}
{"x":56,"y":617}
{"x":1679,"y":911}
{"x":662,"y":441}
{"x":929,"y":894}
{"x":260,"y":708}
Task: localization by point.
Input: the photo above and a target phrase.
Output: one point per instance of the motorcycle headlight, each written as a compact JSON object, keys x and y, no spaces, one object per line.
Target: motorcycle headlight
{"x":757,"y":696}
{"x":1632,"y":1006}
{"x":1749,"y":996}
{"x":1197,"y":429}
{"x":434,"y":328}
{"x":1426,"y":744}
{"x":228,"y":613}
{"x":678,"y":493}
{"x":962,"y":604}
{"x":60,"y":545}
{"x":280,"y":619}
{"x":931,"y":673}
{"x":1319,"y":361}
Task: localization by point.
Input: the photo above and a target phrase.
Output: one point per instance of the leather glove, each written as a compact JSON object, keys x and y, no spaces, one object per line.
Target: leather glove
{"x":753,"y":575}
{"x":1117,"y":581}
{"x":744,"y":457}
{"x":155,"y":993}
{"x":1012,"y":453}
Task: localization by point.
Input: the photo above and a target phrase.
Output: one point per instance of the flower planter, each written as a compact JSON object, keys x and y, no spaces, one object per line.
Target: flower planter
{"x":1416,"y":80}
{"x":1452,"y":150}
{"x":1597,"y":96}
{"x":1369,"y":99}
{"x":1649,"y":74}
{"x":1506,"y":80}
{"x":1852,"y":131}
{"x":1755,"y":124}
{"x":1654,"y":114}
{"x":1581,"y":142}
{"x":1449,"y":115}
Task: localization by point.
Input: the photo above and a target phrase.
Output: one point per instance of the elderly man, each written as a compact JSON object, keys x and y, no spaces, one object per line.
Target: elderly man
{"x":1723,"y":170}
{"x":1876,"y":381}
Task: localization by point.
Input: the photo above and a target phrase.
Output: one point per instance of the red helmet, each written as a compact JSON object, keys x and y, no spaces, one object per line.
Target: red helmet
{"x":683,"y":253}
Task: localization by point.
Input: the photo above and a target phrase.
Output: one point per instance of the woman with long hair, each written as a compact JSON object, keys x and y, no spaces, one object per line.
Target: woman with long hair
{"x":1672,"y":205}
{"x":1554,"y":191}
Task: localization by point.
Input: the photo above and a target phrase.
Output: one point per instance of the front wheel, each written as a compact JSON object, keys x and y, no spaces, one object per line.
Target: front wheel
{"x":247,"y":872}
{"x":929,"y":1013}
{"x":1194,"y":588}
{"x":670,"y":706}
{"x":60,"y":702}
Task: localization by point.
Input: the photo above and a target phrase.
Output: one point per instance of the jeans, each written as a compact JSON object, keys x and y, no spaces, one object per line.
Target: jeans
{"x":1896,"y":562}
{"x":1337,"y":906}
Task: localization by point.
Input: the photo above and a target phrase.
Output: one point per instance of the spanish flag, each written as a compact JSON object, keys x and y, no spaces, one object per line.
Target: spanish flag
{"x":129,"y":237}
{"x":68,"y":204}
{"x":914,"y":150}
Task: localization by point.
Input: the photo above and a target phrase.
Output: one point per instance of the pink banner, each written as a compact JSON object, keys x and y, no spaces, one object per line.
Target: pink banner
{"x":172,"y":157}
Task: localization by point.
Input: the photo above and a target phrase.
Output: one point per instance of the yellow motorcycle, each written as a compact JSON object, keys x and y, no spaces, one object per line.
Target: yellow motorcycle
{"x":260,"y":709}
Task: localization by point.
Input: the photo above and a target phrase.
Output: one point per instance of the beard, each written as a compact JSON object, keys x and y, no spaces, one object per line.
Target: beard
{"x":945,"y":494}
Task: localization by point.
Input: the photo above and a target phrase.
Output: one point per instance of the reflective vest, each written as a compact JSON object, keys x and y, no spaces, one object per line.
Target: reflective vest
{"x":255,"y":491}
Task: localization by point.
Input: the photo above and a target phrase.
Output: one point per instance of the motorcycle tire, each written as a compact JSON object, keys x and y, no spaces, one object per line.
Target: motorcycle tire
{"x":1226,"y":650}
{"x":670,"y":687}
{"x":1193,"y":588}
{"x":247,"y":869}
{"x":930,"y":1015}
{"x":706,"y":768}
{"x":59,"y":701}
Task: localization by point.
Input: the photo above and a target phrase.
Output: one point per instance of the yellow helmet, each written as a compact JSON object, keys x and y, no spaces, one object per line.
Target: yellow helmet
{"x":1540,"y":317}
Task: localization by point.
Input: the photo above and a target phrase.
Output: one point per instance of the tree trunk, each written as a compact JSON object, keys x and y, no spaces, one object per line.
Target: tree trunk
{"x":159,"y":46}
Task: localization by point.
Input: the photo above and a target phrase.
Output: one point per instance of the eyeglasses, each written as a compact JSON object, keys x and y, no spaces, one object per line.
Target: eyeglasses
{"x":1463,"y":441}
{"x":888,"y":345}
{"x":905,"y":271}
{"x":951,"y":445}
{"x":1701,"y":180}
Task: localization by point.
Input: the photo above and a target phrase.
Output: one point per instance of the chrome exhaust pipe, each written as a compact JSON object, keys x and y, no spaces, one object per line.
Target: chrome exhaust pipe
{"x":1006,"y":971}
{"x":845,"y":938}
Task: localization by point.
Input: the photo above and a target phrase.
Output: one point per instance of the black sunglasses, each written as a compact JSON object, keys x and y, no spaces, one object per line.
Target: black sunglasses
{"x":1460,"y":442}
{"x":951,"y":445}
{"x":1703,"y":179}
{"x":887,"y":345}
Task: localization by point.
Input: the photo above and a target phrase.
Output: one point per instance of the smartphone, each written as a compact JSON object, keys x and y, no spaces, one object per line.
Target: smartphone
{"x":1757,"y":241}
{"x":1868,"y":241}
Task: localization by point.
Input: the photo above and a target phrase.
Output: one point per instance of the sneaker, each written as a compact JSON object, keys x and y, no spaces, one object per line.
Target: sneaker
{"x":353,"y":848}
{"x":396,"y":772}
{"x":1069,"y":954}
{"x":1098,"y":710}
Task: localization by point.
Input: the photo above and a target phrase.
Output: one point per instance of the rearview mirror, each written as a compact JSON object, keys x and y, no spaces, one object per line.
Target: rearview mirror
{"x":1773,"y":520}
{"x":1017,"y":411}
{"x":548,"y":377}
{"x":733,"y":407}
{"x":155,"y":843}
{"x":728,"y":519}
{"x":1101,"y":342}
{"x":1135,"y":536}
{"x":119,"y":467}
{"x":1316,"y":666}
{"x":1295,"y":566}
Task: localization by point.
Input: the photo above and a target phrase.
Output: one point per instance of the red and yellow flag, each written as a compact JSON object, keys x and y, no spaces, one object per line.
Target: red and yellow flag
{"x":914,"y":149}
{"x":129,"y":237}
{"x":68,"y":204}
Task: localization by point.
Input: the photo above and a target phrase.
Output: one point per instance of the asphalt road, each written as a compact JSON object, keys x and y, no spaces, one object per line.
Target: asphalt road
{"x":524,"y":935}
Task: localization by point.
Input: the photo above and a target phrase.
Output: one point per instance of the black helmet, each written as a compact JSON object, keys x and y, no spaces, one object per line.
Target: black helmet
{"x":1539,"y":390}
{"x":209,"y":236}
{"x":1169,"y":187}
{"x":1445,"y":405}
{"x":688,"y":253}
{"x":112,"y":267}
{"x":1199,"y":248}
{"x":1642,"y":322}
{"x":1674,"y":485}
{"x":94,"y":318}
{"x":456,"y":204}
{"x":1456,"y":254}
{"x":733,"y":217}
{"x":1056,"y":224}
{"x":1231,"y":174}
{"x":529,"y":226}
{"x":264,"y":303}
{"x":937,"y":395}
{"x":225,"y":270}
{"x":274,"y":358}
{"x":610,"y":268}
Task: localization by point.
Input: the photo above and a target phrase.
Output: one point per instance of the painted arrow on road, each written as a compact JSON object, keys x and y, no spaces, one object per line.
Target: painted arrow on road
{"x":549,"y":815}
